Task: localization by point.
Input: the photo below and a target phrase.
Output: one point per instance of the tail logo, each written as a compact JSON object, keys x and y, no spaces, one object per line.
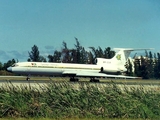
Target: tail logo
{"x":118,"y":57}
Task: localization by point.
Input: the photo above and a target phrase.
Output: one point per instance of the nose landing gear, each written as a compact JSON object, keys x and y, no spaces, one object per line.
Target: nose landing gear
{"x":73,"y":79}
{"x":28,"y":77}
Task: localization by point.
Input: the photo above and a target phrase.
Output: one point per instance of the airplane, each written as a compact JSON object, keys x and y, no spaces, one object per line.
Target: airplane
{"x":109,"y":68}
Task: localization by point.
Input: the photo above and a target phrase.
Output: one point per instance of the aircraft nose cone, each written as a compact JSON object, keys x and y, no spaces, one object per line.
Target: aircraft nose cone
{"x":9,"y":69}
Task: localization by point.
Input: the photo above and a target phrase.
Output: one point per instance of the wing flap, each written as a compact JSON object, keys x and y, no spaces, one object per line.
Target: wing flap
{"x":95,"y":74}
{"x":91,"y":74}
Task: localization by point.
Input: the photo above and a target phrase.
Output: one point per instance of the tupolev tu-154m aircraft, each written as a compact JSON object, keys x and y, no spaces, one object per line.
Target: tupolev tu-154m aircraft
{"x":102,"y":68}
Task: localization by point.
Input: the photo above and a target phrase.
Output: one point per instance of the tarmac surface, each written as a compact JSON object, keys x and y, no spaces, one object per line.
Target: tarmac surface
{"x":37,"y":82}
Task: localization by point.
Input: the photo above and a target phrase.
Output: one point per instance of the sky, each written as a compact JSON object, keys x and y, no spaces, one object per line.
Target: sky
{"x":104,"y":23}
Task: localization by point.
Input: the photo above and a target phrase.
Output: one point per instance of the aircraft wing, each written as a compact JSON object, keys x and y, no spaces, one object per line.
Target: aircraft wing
{"x":96,"y":74}
{"x":66,"y":73}
{"x":12,"y":76}
{"x":104,"y":75}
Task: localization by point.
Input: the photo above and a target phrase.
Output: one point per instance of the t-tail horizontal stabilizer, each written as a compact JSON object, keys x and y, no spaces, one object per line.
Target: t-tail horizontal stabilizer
{"x":124,"y":53}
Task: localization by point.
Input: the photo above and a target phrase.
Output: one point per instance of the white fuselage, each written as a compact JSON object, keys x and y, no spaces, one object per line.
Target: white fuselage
{"x":42,"y":68}
{"x":103,"y":66}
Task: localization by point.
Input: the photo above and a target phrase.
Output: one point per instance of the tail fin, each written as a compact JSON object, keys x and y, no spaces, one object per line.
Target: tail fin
{"x":117,"y":63}
{"x":120,"y":57}
{"x":123,"y":53}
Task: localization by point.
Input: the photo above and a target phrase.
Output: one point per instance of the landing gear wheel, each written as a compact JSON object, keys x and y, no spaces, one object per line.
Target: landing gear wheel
{"x":72,"y":79}
{"x":28,"y":78}
{"x":94,"y":80}
{"x":91,"y":80}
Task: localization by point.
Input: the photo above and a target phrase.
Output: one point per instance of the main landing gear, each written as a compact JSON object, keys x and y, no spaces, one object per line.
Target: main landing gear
{"x":73,"y":79}
{"x":94,"y":80}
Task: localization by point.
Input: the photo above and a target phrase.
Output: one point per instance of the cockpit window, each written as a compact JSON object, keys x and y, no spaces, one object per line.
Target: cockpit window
{"x":14,"y":65}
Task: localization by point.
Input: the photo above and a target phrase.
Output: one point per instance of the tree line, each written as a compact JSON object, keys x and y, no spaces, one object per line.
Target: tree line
{"x":78,"y":54}
{"x":147,"y":67}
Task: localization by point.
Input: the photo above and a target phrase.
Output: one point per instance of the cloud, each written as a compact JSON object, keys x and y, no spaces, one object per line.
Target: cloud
{"x":49,"y":50}
{"x":20,"y":56}
{"x":23,"y":55}
{"x":46,"y":53}
{"x":4,"y":56}
{"x":49,"y":47}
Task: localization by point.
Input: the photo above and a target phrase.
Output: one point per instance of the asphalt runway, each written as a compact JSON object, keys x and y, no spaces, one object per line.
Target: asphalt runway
{"x":22,"y":80}
{"x":37,"y":82}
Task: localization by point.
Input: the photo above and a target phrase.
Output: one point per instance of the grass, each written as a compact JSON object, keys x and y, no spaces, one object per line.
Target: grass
{"x":88,"y":101}
{"x":64,"y":119}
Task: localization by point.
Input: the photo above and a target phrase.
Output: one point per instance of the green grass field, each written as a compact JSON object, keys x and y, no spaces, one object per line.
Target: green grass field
{"x":64,"y":119}
{"x":62,"y":101}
